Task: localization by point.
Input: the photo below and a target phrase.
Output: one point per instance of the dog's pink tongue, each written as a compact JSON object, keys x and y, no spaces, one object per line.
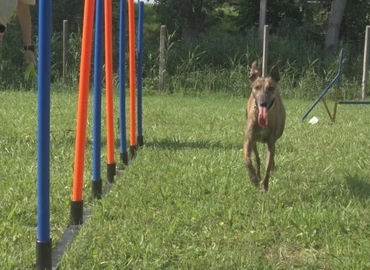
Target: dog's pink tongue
{"x":262,"y":116}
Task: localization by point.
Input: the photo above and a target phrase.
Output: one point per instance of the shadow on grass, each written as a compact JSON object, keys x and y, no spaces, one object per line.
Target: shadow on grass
{"x":176,"y":144}
{"x":358,"y":186}
{"x":69,"y":137}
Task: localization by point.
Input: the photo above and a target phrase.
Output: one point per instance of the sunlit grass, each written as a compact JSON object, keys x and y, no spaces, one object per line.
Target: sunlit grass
{"x":186,"y":201}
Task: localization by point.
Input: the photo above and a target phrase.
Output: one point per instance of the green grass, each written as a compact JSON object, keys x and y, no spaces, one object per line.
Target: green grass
{"x":186,"y":201}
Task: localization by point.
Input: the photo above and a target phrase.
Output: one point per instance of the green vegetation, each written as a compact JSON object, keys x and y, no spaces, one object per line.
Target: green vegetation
{"x":186,"y":201}
{"x":218,"y":62}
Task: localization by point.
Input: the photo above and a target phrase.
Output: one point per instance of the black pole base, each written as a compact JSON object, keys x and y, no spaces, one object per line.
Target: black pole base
{"x":111,"y":172}
{"x":140,"y":141}
{"x":43,"y":255}
{"x":97,"y":187}
{"x":76,"y":217}
{"x":133,"y":150}
{"x":124,"y":158}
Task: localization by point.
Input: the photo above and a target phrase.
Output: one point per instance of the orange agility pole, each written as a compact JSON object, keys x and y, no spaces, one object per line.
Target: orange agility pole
{"x":83,"y":95}
{"x":111,"y":166}
{"x":132,"y":66}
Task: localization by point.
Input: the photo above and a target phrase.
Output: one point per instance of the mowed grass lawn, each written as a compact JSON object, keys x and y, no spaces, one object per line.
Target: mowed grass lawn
{"x":186,"y":201}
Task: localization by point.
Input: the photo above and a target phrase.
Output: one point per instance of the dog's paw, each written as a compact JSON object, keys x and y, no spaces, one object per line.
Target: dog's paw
{"x":264,"y":186}
{"x":255,"y":181}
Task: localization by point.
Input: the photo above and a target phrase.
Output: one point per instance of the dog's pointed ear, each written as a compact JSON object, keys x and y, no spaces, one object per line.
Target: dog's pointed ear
{"x":254,"y":73}
{"x":275,"y":73}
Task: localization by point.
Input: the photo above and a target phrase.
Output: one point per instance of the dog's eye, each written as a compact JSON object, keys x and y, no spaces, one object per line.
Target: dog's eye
{"x":257,"y":87}
{"x":270,"y":89}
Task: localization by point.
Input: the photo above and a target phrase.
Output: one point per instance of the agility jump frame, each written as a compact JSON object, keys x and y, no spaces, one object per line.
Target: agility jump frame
{"x":330,"y":85}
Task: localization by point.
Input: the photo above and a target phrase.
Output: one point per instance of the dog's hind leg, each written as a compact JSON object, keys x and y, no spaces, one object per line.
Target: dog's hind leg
{"x":273,"y":165}
{"x":269,"y":165}
{"x":248,"y":147}
{"x":258,"y":162}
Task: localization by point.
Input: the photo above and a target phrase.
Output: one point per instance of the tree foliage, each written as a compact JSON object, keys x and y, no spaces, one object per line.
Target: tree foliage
{"x":356,"y":17}
{"x":187,"y":16}
{"x":310,"y":19}
{"x":280,"y":14}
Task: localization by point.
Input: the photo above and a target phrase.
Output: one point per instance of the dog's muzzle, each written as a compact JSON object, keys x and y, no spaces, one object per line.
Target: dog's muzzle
{"x":265,"y":104}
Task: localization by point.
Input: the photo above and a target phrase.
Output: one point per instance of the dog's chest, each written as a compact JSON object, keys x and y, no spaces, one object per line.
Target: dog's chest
{"x":263,"y":134}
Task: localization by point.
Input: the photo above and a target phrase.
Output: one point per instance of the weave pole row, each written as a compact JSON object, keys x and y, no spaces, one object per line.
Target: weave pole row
{"x":104,"y":10}
{"x":103,"y":14}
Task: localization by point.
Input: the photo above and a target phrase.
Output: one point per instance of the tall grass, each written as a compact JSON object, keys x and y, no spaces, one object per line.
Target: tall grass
{"x":221,"y":65}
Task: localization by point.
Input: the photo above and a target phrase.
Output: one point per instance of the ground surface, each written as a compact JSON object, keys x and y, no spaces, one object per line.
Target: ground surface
{"x":186,"y":201}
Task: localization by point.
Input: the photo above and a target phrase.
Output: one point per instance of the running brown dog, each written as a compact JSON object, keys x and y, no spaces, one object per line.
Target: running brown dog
{"x":265,"y":122}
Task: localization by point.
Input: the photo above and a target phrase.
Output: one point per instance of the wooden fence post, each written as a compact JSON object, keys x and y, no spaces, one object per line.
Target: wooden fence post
{"x":65,"y":49}
{"x":265,"y":50}
{"x":162,"y":52}
{"x":365,"y":68}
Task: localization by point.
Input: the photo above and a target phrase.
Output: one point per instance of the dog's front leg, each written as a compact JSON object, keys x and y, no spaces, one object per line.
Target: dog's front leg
{"x":269,"y":165}
{"x":248,"y":147}
{"x":258,"y":161}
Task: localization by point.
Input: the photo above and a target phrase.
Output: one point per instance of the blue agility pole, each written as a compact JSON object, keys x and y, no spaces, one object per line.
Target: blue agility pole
{"x":122,"y":79}
{"x":43,"y":243}
{"x":335,"y":80}
{"x":140,"y":138}
{"x":98,"y":66}
{"x":352,"y":102}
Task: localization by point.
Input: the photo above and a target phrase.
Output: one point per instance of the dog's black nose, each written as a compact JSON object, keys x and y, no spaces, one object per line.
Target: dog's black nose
{"x":263,"y":103}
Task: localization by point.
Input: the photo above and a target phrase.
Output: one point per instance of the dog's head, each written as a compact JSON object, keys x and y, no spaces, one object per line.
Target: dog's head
{"x":264,"y":91}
